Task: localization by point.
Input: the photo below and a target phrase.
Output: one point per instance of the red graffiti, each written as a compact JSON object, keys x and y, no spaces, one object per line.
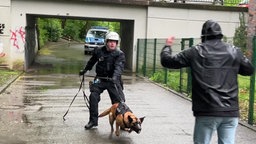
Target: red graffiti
{"x":18,"y":33}
{"x":2,"y":54}
{"x":14,"y":38}
{"x":22,"y":34}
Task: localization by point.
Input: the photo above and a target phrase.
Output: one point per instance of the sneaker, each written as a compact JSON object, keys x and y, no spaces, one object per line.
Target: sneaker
{"x":90,"y":125}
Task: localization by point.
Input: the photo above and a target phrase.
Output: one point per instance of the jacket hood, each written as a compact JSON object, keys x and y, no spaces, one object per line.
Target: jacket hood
{"x":211,"y":28}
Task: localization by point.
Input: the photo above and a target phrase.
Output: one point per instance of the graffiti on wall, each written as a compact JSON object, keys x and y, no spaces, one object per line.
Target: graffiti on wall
{"x":18,"y":39}
{"x":2,"y":26}
{"x":2,"y":54}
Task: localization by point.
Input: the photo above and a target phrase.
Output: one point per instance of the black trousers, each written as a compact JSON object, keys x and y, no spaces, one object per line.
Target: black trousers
{"x":115,"y":92}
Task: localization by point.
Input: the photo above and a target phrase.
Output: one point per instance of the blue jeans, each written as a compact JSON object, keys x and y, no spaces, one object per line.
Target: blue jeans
{"x":205,"y":127}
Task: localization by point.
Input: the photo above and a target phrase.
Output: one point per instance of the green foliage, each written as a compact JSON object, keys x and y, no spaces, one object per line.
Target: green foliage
{"x":74,"y":29}
{"x":52,"y":29}
{"x":43,"y":33}
{"x":158,"y":77}
{"x":173,"y":78}
{"x":49,"y":30}
{"x":77,"y":29}
{"x":240,"y":38}
{"x":244,"y":87}
{"x":231,"y":2}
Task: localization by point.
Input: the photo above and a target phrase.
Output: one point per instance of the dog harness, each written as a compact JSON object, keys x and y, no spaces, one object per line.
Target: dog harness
{"x":122,"y":109}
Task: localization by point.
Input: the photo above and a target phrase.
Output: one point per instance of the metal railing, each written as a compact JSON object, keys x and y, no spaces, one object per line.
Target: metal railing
{"x":214,"y":2}
{"x":148,"y":65}
{"x":147,"y":2}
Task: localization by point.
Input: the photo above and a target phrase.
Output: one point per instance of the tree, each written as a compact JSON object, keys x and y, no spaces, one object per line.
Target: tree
{"x":240,"y":38}
{"x":43,"y":33}
{"x":72,"y":29}
{"x":54,"y":29}
{"x":49,"y":30}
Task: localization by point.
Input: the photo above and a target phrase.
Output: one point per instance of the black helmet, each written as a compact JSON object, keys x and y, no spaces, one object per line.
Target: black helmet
{"x":211,"y":28}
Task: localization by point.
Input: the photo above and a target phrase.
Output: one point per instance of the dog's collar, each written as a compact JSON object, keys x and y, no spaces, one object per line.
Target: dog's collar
{"x":125,"y":125}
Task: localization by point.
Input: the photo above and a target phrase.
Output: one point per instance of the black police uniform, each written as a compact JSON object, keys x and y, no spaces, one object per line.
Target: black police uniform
{"x":110,"y":64}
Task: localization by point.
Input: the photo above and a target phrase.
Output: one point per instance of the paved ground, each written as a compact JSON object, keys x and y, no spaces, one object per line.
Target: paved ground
{"x":31,"y":111}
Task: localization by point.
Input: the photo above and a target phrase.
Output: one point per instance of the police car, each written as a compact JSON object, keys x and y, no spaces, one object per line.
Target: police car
{"x":95,"y":38}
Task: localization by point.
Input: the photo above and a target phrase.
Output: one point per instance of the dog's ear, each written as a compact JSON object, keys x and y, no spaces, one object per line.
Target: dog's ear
{"x":142,"y":119}
{"x":130,"y":119}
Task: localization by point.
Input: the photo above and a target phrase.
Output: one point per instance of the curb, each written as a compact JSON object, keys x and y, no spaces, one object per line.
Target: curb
{"x":242,"y":123}
{"x":9,"y":82}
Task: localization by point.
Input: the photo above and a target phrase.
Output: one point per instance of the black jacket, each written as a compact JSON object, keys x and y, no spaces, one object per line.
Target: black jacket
{"x":109,"y":64}
{"x":214,"y":67}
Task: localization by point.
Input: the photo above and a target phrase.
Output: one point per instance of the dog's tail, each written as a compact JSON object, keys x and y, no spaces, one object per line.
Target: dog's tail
{"x":106,"y":112}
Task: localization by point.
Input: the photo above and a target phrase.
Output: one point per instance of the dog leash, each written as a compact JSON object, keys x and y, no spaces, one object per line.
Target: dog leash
{"x":117,"y":90}
{"x":84,"y":95}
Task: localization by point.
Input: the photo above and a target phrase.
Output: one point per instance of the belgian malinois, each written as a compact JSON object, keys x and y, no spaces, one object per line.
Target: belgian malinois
{"x":124,"y":118}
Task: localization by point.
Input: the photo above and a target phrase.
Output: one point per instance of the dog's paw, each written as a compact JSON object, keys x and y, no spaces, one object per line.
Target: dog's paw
{"x":117,"y":133}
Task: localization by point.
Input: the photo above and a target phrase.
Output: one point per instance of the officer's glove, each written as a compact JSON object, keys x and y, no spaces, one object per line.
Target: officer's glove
{"x":115,"y":79}
{"x":82,"y":72}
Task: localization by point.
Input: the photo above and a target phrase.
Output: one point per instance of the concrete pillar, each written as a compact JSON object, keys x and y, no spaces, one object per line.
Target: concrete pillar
{"x":31,"y":41}
{"x":127,"y":36}
{"x":5,"y":24}
{"x":251,"y":29}
{"x":252,"y":18}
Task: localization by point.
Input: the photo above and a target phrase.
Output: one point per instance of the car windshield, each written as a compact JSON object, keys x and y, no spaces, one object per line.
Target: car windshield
{"x":97,"y":34}
{"x":244,"y":2}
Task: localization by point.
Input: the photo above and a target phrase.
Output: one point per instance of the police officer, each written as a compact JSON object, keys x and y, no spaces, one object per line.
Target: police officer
{"x":110,"y":65}
{"x":214,"y":67}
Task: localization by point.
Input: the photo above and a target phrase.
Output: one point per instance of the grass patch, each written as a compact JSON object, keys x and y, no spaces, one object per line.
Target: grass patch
{"x":173,"y":79}
{"x":6,"y":75}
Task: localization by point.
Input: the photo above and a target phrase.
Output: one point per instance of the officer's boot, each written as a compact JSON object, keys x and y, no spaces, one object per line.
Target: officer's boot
{"x":93,"y":122}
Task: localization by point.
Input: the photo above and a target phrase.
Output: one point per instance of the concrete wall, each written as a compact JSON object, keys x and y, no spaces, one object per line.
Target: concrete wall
{"x":5,"y":24}
{"x":163,"y":22}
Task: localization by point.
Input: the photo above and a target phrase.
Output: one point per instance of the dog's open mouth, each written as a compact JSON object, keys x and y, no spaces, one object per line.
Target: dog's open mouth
{"x":139,"y":131}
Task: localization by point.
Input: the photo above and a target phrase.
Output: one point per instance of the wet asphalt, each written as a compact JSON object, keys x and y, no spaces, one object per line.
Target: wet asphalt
{"x":31,"y":111}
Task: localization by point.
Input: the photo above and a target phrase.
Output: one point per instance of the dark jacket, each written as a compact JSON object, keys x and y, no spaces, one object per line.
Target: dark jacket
{"x":109,"y":64}
{"x":214,"y":68}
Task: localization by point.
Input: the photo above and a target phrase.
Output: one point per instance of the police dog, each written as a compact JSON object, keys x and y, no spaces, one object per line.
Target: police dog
{"x":124,"y":118}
